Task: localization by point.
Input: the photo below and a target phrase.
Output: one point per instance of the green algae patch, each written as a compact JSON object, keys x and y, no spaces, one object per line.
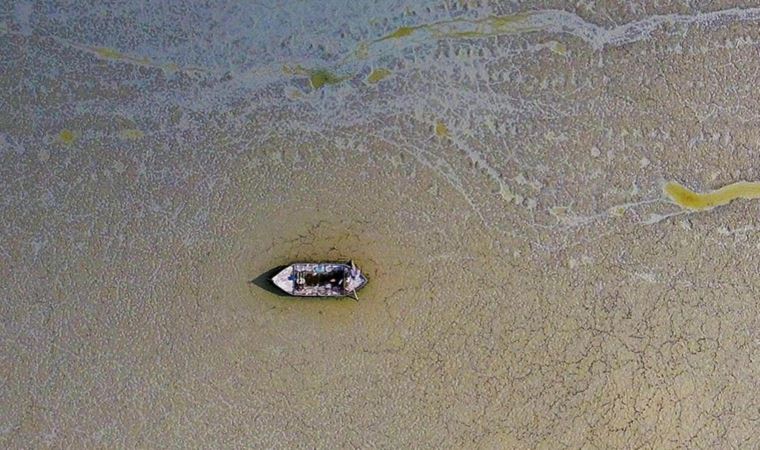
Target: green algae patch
{"x":508,"y":22}
{"x":557,"y":47}
{"x":688,"y":199}
{"x":108,"y":53}
{"x":115,"y":55}
{"x":441,"y":130}
{"x":66,"y":137}
{"x":401,"y":32}
{"x":469,"y":29}
{"x":170,"y":68}
{"x":378,"y":75}
{"x":485,"y":27}
{"x":320,"y":77}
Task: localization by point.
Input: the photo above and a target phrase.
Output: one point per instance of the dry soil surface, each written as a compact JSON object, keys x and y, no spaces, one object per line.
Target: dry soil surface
{"x":496,"y":168}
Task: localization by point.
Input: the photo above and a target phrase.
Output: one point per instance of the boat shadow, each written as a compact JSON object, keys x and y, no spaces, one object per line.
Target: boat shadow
{"x":264,"y":281}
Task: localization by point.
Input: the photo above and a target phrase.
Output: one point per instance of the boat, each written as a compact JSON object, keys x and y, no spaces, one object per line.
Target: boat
{"x":322,"y":279}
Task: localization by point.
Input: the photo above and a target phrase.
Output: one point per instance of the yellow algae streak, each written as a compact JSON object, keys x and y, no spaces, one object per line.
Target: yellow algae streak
{"x":466,"y":28}
{"x":488,"y":26}
{"x":294,"y":94}
{"x":170,"y":68}
{"x":617,"y":211}
{"x":441,"y":130}
{"x":108,"y":53}
{"x":317,"y":77}
{"x":377,"y":75}
{"x":689,"y":199}
{"x":401,"y":32}
{"x":131,"y":134}
{"x":557,"y":47}
{"x":506,"y":22}
{"x":66,"y":137}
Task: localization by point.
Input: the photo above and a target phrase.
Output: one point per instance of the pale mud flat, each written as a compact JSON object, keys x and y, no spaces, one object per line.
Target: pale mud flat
{"x":499,"y":180}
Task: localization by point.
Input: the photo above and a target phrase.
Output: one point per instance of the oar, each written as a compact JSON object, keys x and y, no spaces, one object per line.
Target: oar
{"x":353,"y":268}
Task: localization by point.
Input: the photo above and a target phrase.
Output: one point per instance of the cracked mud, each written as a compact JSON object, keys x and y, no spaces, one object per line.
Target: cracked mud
{"x":496,"y":168}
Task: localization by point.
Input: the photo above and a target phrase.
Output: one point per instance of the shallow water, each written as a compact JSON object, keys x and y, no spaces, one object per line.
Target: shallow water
{"x":495,"y":168}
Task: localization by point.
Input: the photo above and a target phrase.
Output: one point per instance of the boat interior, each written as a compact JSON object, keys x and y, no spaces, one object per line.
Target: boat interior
{"x":334,"y":277}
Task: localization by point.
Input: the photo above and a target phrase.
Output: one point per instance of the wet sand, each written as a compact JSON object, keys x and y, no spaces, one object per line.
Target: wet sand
{"x":499,"y":180}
